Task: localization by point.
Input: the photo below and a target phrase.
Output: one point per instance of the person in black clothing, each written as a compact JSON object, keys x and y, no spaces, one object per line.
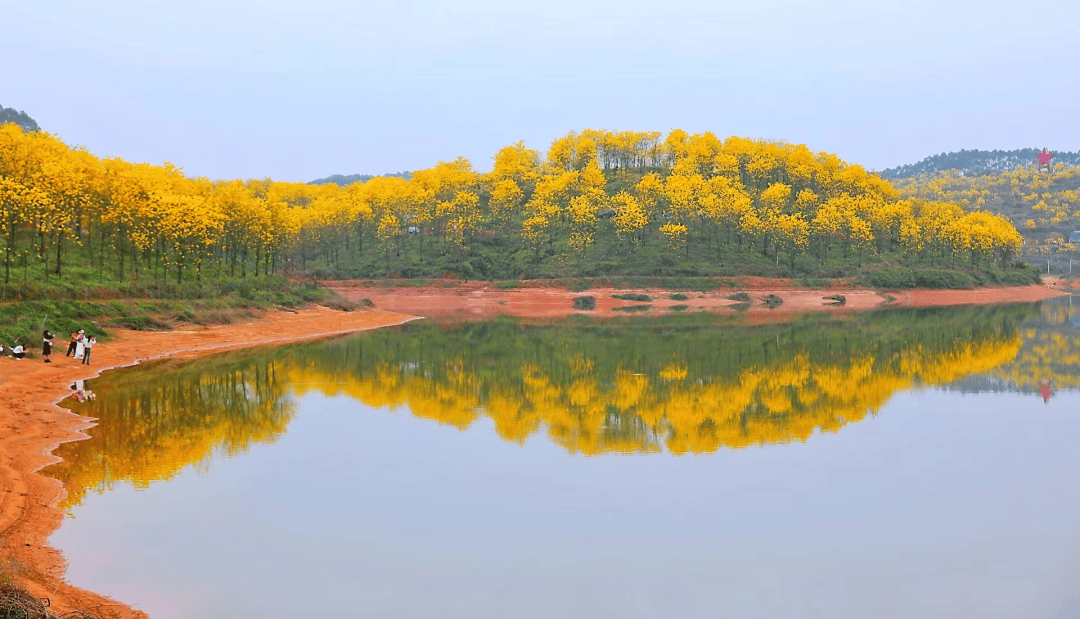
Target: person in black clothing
{"x":46,"y":345}
{"x":75,"y":337}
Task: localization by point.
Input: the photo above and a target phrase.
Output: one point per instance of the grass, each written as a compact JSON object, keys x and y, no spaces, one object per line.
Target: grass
{"x":62,"y":310}
{"x":577,"y":285}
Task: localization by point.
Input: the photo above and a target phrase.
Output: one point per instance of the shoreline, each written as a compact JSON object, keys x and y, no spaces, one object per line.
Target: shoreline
{"x":481,"y":300}
{"x":33,"y":425}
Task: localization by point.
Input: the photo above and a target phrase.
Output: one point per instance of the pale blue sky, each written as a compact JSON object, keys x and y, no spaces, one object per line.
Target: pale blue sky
{"x":300,"y":90}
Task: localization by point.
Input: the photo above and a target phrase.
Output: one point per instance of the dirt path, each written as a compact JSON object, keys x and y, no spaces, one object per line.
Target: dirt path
{"x":32,"y":426}
{"x":483,"y":299}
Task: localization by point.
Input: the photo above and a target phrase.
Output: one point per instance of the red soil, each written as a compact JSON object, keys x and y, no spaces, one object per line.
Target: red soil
{"x":484,"y":299}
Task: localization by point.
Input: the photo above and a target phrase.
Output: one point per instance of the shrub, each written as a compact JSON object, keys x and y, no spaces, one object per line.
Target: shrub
{"x":943,"y":278}
{"x":678,"y":296}
{"x":512,"y":283}
{"x":630,"y":296}
{"x":337,"y":302}
{"x":741,"y":297}
{"x":584,"y":303}
{"x":1019,"y":278}
{"x":632,"y":308}
{"x":893,"y":277}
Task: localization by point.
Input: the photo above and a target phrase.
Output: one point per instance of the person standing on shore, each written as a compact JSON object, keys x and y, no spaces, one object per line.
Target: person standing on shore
{"x":75,"y":337}
{"x":88,"y":345}
{"x":80,"y":345}
{"x":46,"y":345}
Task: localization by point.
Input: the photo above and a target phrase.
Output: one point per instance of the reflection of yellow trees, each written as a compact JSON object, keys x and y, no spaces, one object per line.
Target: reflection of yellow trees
{"x":1051,"y":350}
{"x":592,"y":411}
{"x":690,"y":384}
{"x":158,"y":420}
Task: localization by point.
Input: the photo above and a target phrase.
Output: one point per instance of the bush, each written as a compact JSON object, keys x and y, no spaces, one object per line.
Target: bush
{"x":678,"y":296}
{"x":1020,"y":277}
{"x":513,"y":283}
{"x":741,"y":297}
{"x":893,"y":277}
{"x":632,"y":308}
{"x":630,"y":296}
{"x":584,"y":303}
{"x":942,"y":278}
{"x":337,"y":302}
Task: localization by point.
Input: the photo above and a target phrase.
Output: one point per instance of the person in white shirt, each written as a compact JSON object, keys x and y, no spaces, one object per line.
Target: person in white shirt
{"x":88,"y":345}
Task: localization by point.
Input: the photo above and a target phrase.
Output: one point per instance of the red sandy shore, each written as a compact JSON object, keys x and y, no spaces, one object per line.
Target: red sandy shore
{"x":484,"y":299}
{"x":32,"y":426}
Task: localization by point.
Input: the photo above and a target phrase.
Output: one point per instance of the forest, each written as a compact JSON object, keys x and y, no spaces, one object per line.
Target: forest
{"x":18,"y":117}
{"x":979,"y":162}
{"x":342,"y":179}
{"x":595,"y":203}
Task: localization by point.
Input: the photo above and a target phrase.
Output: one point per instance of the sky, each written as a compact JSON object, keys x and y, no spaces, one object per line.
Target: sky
{"x":301,"y":90}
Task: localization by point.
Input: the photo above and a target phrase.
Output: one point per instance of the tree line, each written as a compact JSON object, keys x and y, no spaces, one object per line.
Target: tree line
{"x":979,"y":162}
{"x":617,"y":198}
{"x":19,"y":117}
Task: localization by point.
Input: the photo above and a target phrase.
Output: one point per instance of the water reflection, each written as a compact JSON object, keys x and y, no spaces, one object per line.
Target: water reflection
{"x":684,"y":384}
{"x":1049,"y":360}
{"x":172,"y":415}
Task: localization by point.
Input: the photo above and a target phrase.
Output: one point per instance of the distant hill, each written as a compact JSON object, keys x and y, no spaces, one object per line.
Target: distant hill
{"x":11,"y":115}
{"x":1044,"y":207}
{"x":341,"y":180}
{"x":979,"y":162}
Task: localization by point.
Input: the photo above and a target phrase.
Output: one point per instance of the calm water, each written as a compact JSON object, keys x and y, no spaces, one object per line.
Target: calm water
{"x":892,"y":464}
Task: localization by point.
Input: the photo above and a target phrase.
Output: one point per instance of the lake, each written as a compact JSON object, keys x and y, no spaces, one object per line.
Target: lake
{"x":901,"y":463}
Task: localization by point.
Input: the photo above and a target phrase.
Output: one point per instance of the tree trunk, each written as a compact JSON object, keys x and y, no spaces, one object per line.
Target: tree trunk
{"x":59,"y":247}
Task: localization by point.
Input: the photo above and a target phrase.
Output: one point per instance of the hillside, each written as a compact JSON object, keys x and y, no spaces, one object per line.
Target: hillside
{"x":1045,"y":207}
{"x":979,"y":162}
{"x":341,"y":180}
{"x":597,"y":204}
{"x":11,"y":115}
